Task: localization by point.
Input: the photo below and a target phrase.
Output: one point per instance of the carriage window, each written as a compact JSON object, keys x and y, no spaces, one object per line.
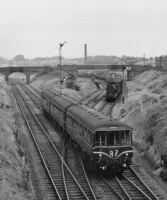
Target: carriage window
{"x":83,"y":130}
{"x":86,"y":132}
{"x":47,"y":102}
{"x":122,"y":138}
{"x":44,"y":101}
{"x":51,"y":108}
{"x":127,"y":137}
{"x":113,"y":138}
{"x":100,"y":138}
{"x":80,"y":129}
{"x":110,"y":138}
{"x":61,"y":114}
{"x":56,"y":110}
{"x":75,"y":125}
{"x":89,"y":137}
{"x":119,"y":138}
{"x":69,"y":120}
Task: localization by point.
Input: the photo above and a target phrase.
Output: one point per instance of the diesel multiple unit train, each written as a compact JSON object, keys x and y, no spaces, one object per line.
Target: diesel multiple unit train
{"x":105,"y":143}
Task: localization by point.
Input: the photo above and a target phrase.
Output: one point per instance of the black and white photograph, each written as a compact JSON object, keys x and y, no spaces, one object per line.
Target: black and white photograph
{"x":83,"y":100}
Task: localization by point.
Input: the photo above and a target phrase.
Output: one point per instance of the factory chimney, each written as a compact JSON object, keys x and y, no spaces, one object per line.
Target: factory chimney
{"x":85,"y":54}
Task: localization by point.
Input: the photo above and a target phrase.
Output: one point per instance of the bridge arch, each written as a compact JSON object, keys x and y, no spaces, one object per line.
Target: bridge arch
{"x":27,"y":71}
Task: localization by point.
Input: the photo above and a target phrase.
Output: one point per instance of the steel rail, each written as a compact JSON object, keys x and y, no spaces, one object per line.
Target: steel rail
{"x":62,"y":160}
{"x":143,"y":183}
{"x":137,"y":187}
{"x":87,"y":180}
{"x":37,"y":146}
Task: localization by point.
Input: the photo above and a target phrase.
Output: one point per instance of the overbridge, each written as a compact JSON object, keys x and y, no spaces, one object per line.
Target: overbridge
{"x":28,"y":71}
{"x":70,"y":69}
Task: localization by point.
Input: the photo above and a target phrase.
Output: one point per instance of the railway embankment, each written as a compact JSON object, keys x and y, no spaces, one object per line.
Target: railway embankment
{"x":13,"y":169}
{"x":52,"y":80}
{"x":145,"y":110}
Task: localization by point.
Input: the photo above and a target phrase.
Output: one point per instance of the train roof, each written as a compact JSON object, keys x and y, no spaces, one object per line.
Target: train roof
{"x":56,"y":97}
{"x":48,"y":93}
{"x":91,"y":118}
{"x":94,"y":119}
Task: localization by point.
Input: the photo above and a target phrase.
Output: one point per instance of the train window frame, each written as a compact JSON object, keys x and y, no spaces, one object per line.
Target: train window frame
{"x":57,"y":111}
{"x":61,"y":114}
{"x":89,"y":136}
{"x":129,"y":140}
{"x":44,"y":102}
{"x":100,"y":143}
{"x":51,"y":107}
{"x":74,"y":124}
{"x":110,"y":134}
{"x":77,"y":125}
{"x":121,"y":140}
{"x":80,"y":128}
{"x":83,"y":130}
{"x":69,"y":120}
{"x":47,"y":102}
{"x":86,"y":132}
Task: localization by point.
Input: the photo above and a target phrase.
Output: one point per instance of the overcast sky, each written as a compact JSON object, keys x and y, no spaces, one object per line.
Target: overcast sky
{"x":109,"y":27}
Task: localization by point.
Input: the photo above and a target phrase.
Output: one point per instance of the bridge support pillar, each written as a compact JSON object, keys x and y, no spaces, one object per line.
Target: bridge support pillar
{"x":27,"y":79}
{"x":6,"y":77}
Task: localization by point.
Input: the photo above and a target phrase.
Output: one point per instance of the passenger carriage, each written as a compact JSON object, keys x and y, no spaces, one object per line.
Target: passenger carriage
{"x":105,"y":143}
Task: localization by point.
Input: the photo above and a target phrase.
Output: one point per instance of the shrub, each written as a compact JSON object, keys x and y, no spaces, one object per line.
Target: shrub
{"x":150,"y":138}
{"x":45,"y":70}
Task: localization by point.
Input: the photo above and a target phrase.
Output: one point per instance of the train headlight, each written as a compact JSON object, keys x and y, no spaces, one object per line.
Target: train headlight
{"x":100,"y":155}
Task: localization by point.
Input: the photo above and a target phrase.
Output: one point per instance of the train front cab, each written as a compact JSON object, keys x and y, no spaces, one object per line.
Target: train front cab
{"x":112,"y":91}
{"x":113,"y":149}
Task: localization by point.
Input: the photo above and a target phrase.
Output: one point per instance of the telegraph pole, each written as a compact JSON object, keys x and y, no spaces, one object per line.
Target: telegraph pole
{"x":123,"y":74}
{"x":160,"y":61}
{"x":144,"y":59}
{"x":60,"y":46}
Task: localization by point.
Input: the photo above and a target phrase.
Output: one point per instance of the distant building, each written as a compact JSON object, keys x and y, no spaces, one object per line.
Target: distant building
{"x":161,"y":62}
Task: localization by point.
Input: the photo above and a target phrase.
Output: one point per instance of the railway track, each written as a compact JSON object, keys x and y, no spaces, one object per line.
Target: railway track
{"x":49,"y":156}
{"x":94,"y":101}
{"x":30,"y":91}
{"x":115,"y":184}
{"x":35,"y":91}
{"x":107,"y":108}
{"x":134,"y":187}
{"x":147,"y":184}
{"x":89,"y":96}
{"x":129,"y":186}
{"x":132,"y":190}
{"x":97,"y":102}
{"x":101,"y":187}
{"x":89,"y":101}
{"x":74,"y":162}
{"x":50,"y":188}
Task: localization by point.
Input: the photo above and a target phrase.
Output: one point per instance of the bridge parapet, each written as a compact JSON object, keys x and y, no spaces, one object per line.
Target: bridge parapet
{"x":22,"y":69}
